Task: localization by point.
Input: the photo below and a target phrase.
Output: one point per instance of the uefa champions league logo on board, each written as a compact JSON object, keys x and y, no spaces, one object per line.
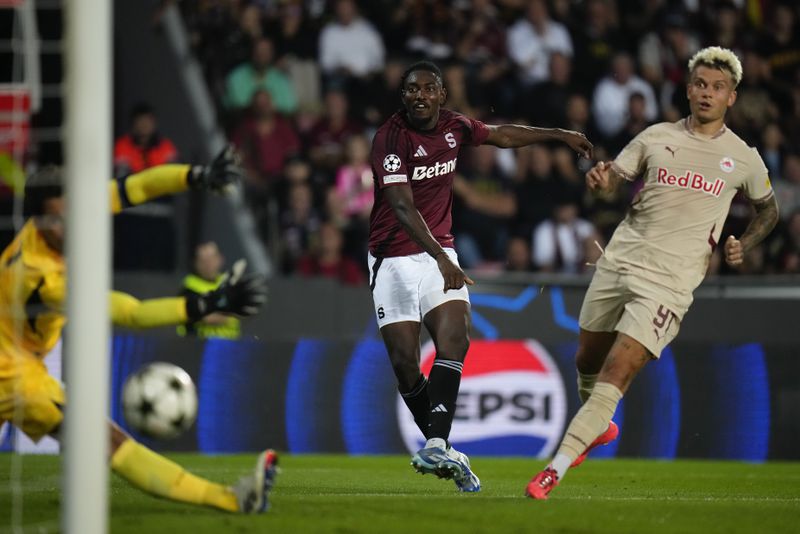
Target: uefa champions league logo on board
{"x":511,"y":402}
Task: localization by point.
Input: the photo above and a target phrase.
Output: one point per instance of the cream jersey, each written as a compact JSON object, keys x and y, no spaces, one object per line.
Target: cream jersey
{"x":674,"y":222}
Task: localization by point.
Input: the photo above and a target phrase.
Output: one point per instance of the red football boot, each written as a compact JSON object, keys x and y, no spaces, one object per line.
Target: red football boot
{"x":605,"y":438}
{"x":542,"y":484}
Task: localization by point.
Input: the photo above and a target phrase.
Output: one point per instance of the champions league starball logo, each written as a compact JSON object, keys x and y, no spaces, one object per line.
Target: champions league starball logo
{"x":511,"y":402}
{"x":391,"y":162}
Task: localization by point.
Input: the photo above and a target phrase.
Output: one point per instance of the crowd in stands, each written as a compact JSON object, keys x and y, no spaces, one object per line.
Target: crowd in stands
{"x":302,"y":85}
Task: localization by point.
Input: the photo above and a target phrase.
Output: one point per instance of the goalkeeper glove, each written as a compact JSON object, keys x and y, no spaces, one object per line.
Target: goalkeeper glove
{"x":222,"y":173}
{"x":239,"y":293}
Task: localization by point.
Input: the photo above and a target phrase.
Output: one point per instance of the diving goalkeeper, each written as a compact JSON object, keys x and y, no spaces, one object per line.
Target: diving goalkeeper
{"x":32,"y":294}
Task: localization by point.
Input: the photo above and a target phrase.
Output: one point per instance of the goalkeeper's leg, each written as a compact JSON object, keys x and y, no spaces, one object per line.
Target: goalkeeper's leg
{"x":162,"y":477}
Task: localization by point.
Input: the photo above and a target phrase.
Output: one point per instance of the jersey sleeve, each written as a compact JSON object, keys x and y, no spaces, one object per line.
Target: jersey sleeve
{"x":757,"y":185}
{"x":144,"y":186}
{"x":131,"y":312}
{"x":631,"y":161}
{"x":477,"y":132}
{"x":389,"y":157}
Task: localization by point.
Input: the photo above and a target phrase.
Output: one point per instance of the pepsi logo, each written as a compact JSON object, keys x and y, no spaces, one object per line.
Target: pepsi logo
{"x":511,"y":401}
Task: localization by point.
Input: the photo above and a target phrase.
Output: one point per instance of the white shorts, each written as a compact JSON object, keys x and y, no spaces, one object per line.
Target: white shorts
{"x":406,"y":288}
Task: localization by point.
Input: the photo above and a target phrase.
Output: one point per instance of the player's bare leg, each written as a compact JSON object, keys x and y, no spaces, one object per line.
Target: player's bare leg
{"x":624,"y":361}
{"x":162,"y":477}
{"x":402,"y":344}
{"x":449,"y":325}
{"x":593,"y":348}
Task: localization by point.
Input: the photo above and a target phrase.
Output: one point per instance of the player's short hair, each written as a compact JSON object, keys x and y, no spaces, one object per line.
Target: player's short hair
{"x":41,"y":186}
{"x":422,"y":66}
{"x":719,"y":58}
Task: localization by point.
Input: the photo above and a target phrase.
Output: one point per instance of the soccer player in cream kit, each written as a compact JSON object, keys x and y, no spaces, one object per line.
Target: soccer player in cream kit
{"x":659,"y":254}
{"x":414,"y":273}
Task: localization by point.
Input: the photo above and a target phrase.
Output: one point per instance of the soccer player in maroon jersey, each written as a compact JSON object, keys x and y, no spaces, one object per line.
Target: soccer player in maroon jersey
{"x":414,"y":271}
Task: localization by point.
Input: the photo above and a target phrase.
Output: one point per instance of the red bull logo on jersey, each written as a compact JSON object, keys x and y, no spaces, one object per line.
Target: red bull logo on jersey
{"x":691,"y":180}
{"x":511,"y":402}
{"x":429,"y":171}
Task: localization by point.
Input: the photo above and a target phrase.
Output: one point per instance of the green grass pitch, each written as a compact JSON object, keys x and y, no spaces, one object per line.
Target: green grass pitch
{"x":334,"y":493}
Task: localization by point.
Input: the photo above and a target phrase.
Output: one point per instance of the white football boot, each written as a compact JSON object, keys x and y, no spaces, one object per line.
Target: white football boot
{"x":456,"y":467}
{"x":252,"y":491}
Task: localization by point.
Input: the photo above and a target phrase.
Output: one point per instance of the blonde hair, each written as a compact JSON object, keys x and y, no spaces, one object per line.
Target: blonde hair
{"x":720,"y":58}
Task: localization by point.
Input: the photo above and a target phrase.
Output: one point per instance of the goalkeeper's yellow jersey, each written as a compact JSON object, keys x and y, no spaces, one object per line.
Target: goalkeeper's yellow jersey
{"x":33,"y":279}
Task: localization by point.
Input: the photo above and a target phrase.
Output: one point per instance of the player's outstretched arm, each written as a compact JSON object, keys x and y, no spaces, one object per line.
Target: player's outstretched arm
{"x":515,"y":135}
{"x":401,"y":200}
{"x":128,"y":311}
{"x":762,"y":224}
{"x":240,"y":294}
{"x":169,"y":179}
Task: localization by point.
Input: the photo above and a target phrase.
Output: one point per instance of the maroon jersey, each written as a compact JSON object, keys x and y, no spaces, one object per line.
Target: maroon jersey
{"x":425,"y":160}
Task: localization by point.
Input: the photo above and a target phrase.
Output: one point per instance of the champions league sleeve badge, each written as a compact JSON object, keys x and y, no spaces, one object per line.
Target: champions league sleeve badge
{"x":391,"y":162}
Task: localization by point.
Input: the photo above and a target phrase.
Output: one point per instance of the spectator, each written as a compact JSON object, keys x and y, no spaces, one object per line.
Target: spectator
{"x":432,"y":31}
{"x":325,"y":259}
{"x":484,"y":205}
{"x":143,"y":146}
{"x":532,"y":39}
{"x":149,"y":226}
{"x":578,"y":117}
{"x":299,"y":221}
{"x":635,"y":123}
{"x":664,"y":53}
{"x":596,"y":40}
{"x":754,"y":107}
{"x":612,"y":94}
{"x":260,"y":73}
{"x":382,"y":101}
{"x":296,"y":43}
{"x":354,"y":184}
{"x":789,"y":259}
{"x":216,"y":35}
{"x":546,"y":103}
{"x":328,"y":136}
{"x":518,"y":255}
{"x":534,"y":192}
{"x":482,"y":49}
{"x":725,"y":20}
{"x":780,"y":44}
{"x":772,"y":150}
{"x":787,"y":190}
{"x":455,"y":79}
{"x":355,"y":195}
{"x":266,"y":142}
{"x":207,"y":276}
{"x":350,"y":48}
{"x":565,"y":243}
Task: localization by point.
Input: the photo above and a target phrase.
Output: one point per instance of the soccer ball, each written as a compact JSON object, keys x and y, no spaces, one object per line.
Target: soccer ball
{"x":159,"y":400}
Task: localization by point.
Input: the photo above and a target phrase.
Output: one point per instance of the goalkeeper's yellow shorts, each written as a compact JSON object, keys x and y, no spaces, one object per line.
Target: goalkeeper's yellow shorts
{"x":31,"y":399}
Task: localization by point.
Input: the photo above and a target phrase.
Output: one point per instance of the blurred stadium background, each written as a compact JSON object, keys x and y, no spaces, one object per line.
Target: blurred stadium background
{"x":300,"y":86}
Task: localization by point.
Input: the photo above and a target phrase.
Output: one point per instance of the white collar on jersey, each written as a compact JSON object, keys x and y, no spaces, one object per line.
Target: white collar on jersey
{"x":687,"y":123}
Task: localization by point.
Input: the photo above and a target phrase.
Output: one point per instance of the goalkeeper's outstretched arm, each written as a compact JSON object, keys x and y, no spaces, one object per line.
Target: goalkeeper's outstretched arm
{"x":240,"y":294}
{"x":172,"y":178}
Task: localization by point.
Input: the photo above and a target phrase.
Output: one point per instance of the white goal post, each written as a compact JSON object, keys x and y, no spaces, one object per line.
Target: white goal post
{"x":87,"y":156}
